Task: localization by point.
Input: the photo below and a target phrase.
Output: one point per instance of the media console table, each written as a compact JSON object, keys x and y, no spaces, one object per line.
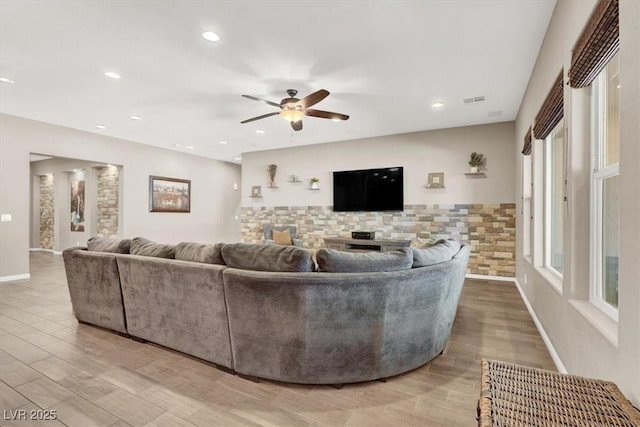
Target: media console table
{"x":361,"y":245}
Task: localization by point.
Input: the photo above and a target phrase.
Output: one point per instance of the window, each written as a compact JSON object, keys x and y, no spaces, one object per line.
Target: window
{"x":554,"y":199}
{"x":527,"y":171}
{"x":605,"y":220}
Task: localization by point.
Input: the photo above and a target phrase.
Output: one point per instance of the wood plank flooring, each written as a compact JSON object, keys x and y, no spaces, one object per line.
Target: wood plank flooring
{"x":93,"y":377}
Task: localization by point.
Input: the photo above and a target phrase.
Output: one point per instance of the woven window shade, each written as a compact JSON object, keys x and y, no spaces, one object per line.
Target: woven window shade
{"x":597,"y":44}
{"x":526,"y":149}
{"x":551,"y":112}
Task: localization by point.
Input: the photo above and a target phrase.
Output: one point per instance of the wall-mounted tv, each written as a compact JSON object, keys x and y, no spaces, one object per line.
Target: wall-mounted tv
{"x":368,"y":190}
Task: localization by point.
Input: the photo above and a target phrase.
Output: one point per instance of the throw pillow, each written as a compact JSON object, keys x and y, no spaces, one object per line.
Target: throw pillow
{"x":103,"y":244}
{"x":443,"y":250}
{"x":332,"y":261}
{"x":281,"y":237}
{"x":267,"y":257}
{"x":199,"y":252}
{"x":145,"y":247}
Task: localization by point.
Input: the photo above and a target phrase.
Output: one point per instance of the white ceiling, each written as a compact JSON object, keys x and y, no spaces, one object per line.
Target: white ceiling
{"x":384,"y":63}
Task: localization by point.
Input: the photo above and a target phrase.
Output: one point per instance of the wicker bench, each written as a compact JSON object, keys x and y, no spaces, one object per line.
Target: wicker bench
{"x":514,"y":395}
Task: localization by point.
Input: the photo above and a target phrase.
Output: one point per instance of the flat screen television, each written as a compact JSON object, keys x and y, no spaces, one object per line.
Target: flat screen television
{"x":368,"y":190}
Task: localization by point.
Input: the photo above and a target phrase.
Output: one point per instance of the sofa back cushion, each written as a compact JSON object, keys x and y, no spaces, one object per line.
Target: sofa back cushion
{"x":332,"y":261}
{"x":267,"y":257}
{"x":200,"y":252}
{"x":103,"y":244}
{"x":441,"y":251}
{"x":145,"y":247}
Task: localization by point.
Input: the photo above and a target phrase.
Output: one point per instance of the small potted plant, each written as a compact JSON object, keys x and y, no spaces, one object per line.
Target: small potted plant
{"x":314,"y":183}
{"x":476,"y":160}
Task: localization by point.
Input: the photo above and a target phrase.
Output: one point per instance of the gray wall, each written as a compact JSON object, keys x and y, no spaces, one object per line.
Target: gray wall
{"x":588,"y":342}
{"x":419,"y":153}
{"x":214,"y":203}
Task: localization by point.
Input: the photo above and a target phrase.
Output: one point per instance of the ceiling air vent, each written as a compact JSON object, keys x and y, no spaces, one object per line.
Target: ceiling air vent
{"x":473,"y":100}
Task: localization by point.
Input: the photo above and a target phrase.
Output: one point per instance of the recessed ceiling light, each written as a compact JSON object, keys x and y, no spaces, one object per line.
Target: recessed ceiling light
{"x":101,"y":127}
{"x":222,"y":142}
{"x":135,"y":117}
{"x":189,"y":147}
{"x":616,"y":86}
{"x":7,"y":80}
{"x":336,"y":120}
{"x":259,"y":131}
{"x":437,"y":104}
{"x":112,"y":75}
{"x":211,"y":36}
{"x":238,"y":158}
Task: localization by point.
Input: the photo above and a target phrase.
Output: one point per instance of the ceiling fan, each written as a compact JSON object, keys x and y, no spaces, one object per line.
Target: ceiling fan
{"x":293,"y":109}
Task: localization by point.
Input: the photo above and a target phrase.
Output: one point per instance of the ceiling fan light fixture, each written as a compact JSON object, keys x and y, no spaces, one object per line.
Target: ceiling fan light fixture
{"x":292,"y":115}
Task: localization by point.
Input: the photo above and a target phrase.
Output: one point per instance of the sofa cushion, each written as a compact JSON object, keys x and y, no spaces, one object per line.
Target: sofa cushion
{"x":281,"y":237}
{"x":441,"y":251}
{"x":332,"y":261}
{"x":267,"y":257}
{"x":200,"y":252}
{"x":103,"y":244}
{"x":145,"y":247}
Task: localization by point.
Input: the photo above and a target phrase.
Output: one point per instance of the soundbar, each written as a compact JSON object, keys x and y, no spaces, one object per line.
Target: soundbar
{"x":364,"y":235}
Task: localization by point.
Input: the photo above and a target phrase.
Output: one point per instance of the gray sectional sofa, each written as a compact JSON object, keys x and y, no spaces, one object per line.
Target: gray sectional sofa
{"x":275,"y":312}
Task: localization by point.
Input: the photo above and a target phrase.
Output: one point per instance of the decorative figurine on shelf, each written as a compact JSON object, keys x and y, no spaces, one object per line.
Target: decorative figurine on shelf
{"x":476,"y":160}
{"x":272,"y":175}
{"x":314,"y":183}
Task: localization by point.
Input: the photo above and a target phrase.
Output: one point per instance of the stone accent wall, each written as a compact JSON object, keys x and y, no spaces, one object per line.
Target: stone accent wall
{"x":47,"y":211}
{"x":489,"y":228}
{"x":108,"y":201}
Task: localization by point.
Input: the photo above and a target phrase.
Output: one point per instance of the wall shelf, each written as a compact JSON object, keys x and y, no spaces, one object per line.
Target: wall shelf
{"x":434,"y":187}
{"x":255,"y":197}
{"x":275,"y":186}
{"x":314,"y":189}
{"x":476,"y":174}
{"x":294,"y":181}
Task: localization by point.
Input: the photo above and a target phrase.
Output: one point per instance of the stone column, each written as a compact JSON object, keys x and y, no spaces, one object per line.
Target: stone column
{"x":108,"y":201}
{"x":47,"y":211}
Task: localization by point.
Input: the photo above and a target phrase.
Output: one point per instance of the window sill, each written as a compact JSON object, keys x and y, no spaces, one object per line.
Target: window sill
{"x":551,"y":278}
{"x":603,"y":323}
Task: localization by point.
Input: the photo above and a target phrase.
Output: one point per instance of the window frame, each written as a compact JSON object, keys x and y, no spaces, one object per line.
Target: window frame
{"x":598,"y":175}
{"x":527,"y":207}
{"x":546,"y":195}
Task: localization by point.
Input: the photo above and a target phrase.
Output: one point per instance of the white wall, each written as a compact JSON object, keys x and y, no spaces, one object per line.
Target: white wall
{"x":419,"y":153}
{"x":587,"y":342}
{"x":214,"y":204}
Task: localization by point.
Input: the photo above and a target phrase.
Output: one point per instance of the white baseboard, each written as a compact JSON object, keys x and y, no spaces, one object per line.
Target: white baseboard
{"x":15,"y":277}
{"x":543,"y":333}
{"x":496,"y":278}
{"x":51,"y":251}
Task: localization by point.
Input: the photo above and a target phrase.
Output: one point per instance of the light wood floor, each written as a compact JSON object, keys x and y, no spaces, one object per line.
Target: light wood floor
{"x":95,"y":377}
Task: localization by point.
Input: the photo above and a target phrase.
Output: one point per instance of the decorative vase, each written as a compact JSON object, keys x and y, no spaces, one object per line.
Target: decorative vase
{"x":473,"y":169}
{"x":314,"y":185}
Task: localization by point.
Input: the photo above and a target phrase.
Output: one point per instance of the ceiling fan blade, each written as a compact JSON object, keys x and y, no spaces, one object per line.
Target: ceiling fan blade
{"x":313,"y":99}
{"x":264,"y":116}
{"x":262,"y":100}
{"x":297,"y":125}
{"x":326,"y":114}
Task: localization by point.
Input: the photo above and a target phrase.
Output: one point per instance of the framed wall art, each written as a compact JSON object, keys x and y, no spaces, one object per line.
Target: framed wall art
{"x":169,"y":194}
